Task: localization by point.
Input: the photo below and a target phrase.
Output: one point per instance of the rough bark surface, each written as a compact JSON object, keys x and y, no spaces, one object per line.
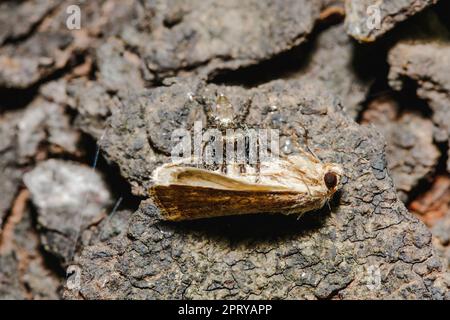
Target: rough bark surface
{"x":69,"y":197}
{"x":334,"y":61}
{"x":367,"y":20}
{"x":212,"y":35}
{"x":441,"y":232}
{"x":10,"y":173}
{"x":428,"y":65}
{"x":411,"y":154}
{"x":24,"y":273}
{"x":326,"y":254}
{"x":139,"y":69}
{"x":30,"y":14}
{"x":22,"y":134}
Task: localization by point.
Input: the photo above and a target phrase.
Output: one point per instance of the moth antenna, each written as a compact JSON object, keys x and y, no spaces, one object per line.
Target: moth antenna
{"x":300,"y":215}
{"x":303,"y":180}
{"x":111,"y":214}
{"x":329,"y":206}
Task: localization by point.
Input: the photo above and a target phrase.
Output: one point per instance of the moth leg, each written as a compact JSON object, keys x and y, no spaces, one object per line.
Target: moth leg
{"x":300,"y":215}
{"x":329,"y":206}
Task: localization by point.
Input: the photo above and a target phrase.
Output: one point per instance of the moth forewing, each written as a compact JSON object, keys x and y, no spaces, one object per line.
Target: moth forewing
{"x":292,"y":185}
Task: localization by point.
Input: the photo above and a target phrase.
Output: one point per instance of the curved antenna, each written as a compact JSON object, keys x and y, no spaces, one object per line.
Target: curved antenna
{"x":309,"y":191}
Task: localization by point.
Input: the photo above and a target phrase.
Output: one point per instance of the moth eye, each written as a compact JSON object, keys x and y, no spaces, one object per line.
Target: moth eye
{"x":330,"y":180}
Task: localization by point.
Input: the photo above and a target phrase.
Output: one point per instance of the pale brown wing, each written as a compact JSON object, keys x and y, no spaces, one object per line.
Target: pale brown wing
{"x":185,"y":193}
{"x":189,"y":176}
{"x":180,"y":202}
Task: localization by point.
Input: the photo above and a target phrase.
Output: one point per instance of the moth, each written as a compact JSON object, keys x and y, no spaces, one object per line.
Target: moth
{"x":293,"y":184}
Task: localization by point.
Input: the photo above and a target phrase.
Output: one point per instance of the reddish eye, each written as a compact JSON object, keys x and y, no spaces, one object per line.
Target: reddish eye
{"x":330,"y":180}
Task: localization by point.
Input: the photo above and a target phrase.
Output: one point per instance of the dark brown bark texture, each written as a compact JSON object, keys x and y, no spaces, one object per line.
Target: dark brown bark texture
{"x":87,"y":115}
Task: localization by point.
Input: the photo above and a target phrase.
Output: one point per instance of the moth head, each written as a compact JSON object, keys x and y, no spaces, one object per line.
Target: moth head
{"x":332,"y":176}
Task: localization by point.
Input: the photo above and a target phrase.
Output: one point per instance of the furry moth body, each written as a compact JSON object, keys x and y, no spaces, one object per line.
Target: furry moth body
{"x":289,"y":185}
{"x":294,"y":185}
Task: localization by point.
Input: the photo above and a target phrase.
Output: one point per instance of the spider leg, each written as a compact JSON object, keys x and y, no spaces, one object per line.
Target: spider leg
{"x":306,"y":138}
{"x":240,"y":118}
